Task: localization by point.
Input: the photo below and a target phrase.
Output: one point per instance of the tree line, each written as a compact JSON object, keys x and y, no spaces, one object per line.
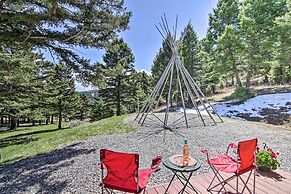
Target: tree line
{"x":245,"y":39}
{"x":33,"y":89}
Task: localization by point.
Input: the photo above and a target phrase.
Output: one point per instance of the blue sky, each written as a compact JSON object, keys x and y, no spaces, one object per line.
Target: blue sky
{"x":142,"y":36}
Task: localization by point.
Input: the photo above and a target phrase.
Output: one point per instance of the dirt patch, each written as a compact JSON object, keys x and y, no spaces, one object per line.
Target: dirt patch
{"x":270,"y":116}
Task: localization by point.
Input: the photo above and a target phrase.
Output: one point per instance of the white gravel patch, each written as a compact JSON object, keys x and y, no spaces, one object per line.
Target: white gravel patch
{"x":74,"y":167}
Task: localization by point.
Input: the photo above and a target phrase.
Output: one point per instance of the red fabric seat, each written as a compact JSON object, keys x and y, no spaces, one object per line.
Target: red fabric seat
{"x":122,"y":171}
{"x":224,"y":163}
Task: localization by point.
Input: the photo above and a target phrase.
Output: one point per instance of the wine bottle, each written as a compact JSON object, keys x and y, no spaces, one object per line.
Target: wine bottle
{"x":185,"y":153}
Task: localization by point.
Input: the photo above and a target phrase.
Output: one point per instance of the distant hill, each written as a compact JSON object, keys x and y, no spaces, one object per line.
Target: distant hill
{"x":91,"y":94}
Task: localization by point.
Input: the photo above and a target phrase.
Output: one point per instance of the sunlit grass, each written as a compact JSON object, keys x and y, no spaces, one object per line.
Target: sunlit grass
{"x":30,"y":141}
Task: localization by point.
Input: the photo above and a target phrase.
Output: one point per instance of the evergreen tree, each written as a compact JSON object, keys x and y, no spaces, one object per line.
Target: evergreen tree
{"x":225,"y":14}
{"x":209,"y":68}
{"x":117,"y":73}
{"x":281,"y":70}
{"x":62,"y":91}
{"x":57,"y":25}
{"x":223,"y":24}
{"x":82,"y":106}
{"x":143,"y":85}
{"x":18,"y":82}
{"x":161,"y":60}
{"x":257,"y":21}
{"x":228,"y":49}
{"x":189,"y":52}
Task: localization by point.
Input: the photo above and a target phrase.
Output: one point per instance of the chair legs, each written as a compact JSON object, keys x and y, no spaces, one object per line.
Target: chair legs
{"x":222,"y":182}
{"x":254,"y":186}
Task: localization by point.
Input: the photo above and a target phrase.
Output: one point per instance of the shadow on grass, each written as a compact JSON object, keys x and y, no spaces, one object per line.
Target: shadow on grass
{"x":21,"y":139}
{"x":9,"y":141}
{"x":37,"y":172}
{"x":4,"y":129}
{"x":38,"y":132}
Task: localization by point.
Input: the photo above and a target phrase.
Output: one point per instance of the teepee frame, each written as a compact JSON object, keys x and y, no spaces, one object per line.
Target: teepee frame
{"x":183,"y":77}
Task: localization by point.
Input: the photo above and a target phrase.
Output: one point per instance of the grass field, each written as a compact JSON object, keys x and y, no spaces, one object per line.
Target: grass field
{"x":30,"y":141}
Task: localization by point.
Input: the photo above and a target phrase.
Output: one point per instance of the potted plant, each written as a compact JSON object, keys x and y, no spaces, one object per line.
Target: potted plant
{"x":267,"y":159}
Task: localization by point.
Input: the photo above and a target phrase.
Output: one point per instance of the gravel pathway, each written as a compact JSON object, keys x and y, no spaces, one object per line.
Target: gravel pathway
{"x":74,"y":167}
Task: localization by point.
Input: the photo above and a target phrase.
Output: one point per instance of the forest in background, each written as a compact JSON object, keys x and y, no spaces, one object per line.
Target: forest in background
{"x":245,"y":40}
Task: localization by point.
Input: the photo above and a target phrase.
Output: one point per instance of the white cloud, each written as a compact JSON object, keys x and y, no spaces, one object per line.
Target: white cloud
{"x":146,"y":71}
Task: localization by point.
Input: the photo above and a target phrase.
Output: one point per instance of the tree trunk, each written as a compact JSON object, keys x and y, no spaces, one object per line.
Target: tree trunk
{"x":13,"y":123}
{"x":118,"y":100}
{"x":283,"y":73}
{"x":232,"y":80}
{"x":39,"y":122}
{"x":249,"y":75}
{"x":52,"y":119}
{"x":235,"y":73}
{"x":60,"y":114}
{"x":47,"y":119}
{"x":33,"y":122}
{"x":81,"y":117}
{"x":2,"y":120}
{"x":266,"y":79}
{"x":17,"y":122}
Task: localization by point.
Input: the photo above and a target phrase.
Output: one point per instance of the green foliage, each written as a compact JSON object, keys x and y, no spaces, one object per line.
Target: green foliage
{"x":19,"y":82}
{"x":57,"y":25}
{"x":242,"y":94}
{"x":117,"y":73}
{"x":189,"y":53}
{"x":100,"y":110}
{"x":267,"y":159}
{"x":161,"y":60}
{"x":247,"y":39}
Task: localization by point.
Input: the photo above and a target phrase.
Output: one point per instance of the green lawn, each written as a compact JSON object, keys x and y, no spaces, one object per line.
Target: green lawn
{"x":30,"y":141}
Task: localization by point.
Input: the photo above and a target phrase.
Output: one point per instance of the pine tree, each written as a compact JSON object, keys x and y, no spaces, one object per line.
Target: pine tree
{"x":257,"y":21}
{"x":161,"y":60}
{"x":57,"y":25}
{"x":143,"y":85}
{"x":18,"y":82}
{"x":223,"y":24}
{"x":60,"y":83}
{"x":189,"y":51}
{"x":281,"y":73}
{"x":225,"y":14}
{"x":229,"y":48}
{"x":117,"y":73}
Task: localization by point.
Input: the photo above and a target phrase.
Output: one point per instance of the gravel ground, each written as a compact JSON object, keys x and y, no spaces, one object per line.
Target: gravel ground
{"x":74,"y":168}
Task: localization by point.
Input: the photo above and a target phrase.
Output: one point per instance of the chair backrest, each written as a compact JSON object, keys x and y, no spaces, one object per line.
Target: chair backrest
{"x":122,"y":170}
{"x":246,"y":153}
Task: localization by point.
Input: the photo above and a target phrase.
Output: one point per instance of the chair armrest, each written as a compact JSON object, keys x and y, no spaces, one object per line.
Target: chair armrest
{"x":156,"y":161}
{"x":207,"y":154}
{"x":231,"y":146}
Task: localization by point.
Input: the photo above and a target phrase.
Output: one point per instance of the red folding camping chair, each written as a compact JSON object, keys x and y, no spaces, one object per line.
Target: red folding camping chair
{"x":123,"y":173}
{"x":243,"y":163}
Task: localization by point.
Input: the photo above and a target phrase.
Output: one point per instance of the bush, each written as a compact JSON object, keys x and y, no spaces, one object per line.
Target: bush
{"x":242,"y":94}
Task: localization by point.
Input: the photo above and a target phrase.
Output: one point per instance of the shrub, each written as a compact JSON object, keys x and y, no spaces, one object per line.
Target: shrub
{"x":242,"y":94}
